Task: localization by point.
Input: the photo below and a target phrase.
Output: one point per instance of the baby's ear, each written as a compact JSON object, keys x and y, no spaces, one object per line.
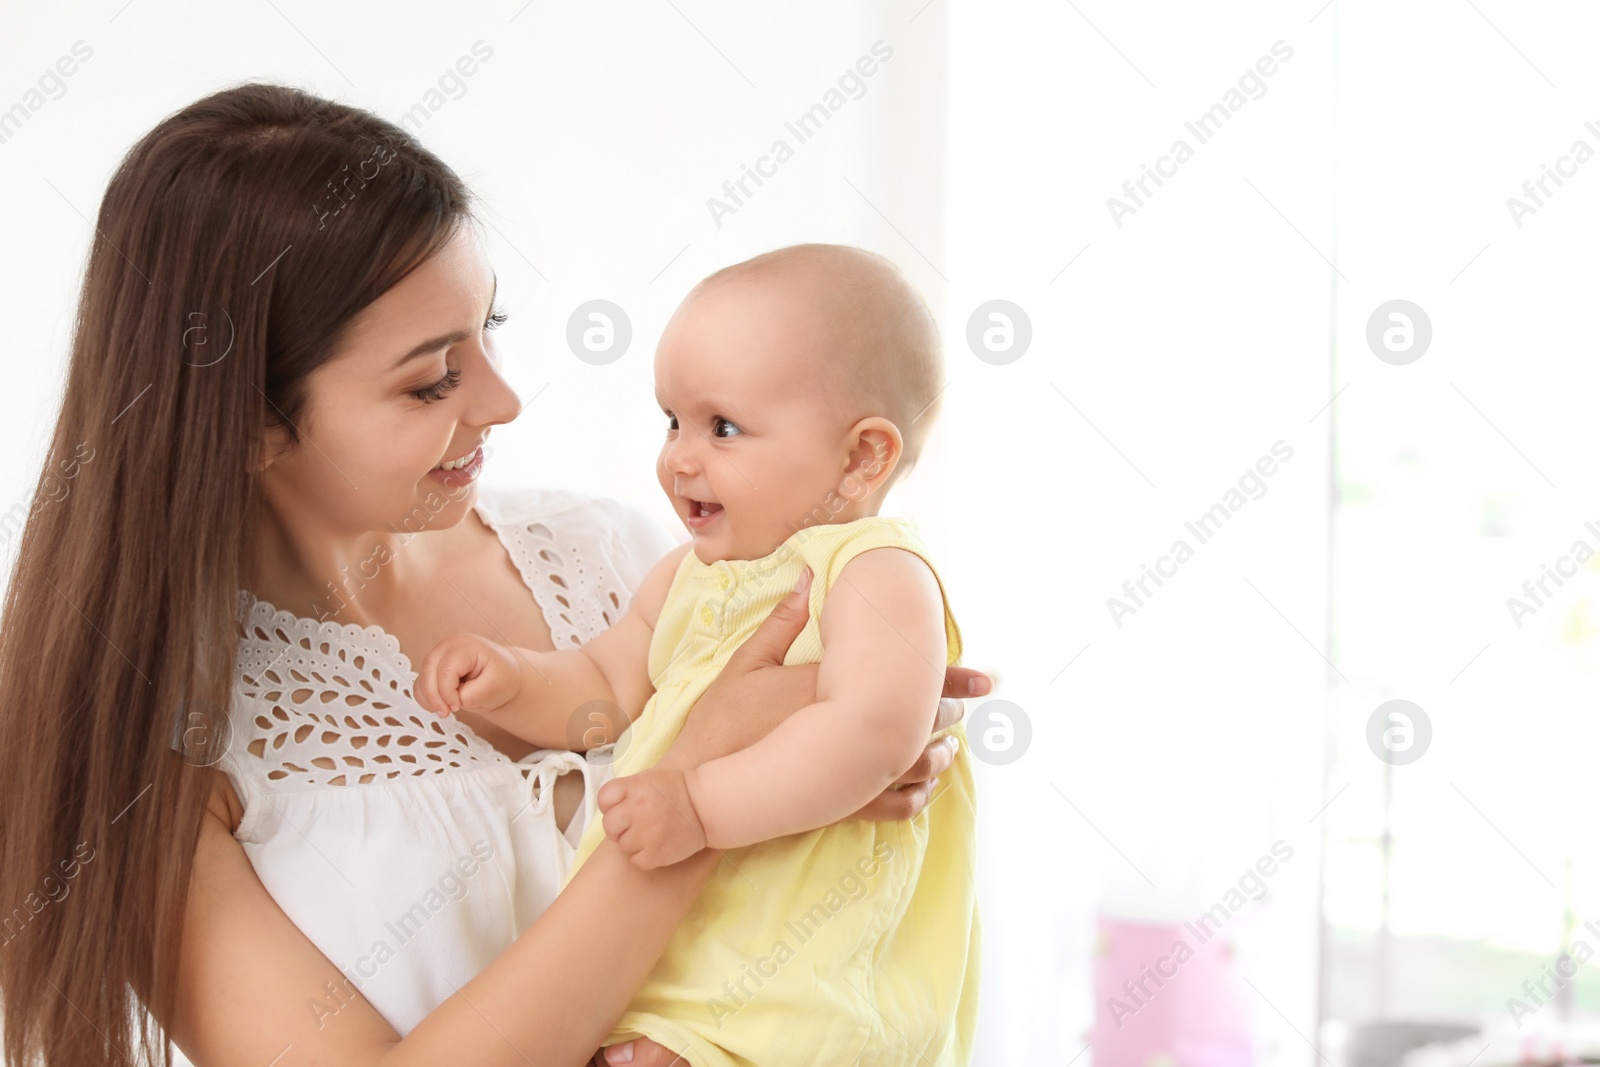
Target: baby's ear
{"x":876,"y":449}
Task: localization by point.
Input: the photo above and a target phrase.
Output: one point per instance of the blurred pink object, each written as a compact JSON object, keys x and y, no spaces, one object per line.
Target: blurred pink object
{"x":1168,"y":995}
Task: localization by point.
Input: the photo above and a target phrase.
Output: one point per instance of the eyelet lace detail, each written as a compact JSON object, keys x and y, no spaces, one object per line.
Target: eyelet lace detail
{"x":578,"y":600}
{"x":331,"y":704}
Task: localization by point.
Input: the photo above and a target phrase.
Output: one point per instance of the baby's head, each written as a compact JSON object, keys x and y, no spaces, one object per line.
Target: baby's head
{"x":798,"y":385}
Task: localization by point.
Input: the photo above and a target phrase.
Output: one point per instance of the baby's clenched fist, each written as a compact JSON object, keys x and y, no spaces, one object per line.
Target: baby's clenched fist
{"x":651,"y":815}
{"x":466,"y":672}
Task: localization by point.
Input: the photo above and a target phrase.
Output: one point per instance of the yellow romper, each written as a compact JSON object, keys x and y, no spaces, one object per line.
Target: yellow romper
{"x":856,"y":943}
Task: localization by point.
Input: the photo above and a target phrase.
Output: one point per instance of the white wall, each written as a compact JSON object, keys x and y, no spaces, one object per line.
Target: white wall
{"x":1170,"y":355}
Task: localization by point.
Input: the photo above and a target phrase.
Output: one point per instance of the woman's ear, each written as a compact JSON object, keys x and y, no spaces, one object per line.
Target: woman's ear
{"x":274,"y":446}
{"x":875,"y":448}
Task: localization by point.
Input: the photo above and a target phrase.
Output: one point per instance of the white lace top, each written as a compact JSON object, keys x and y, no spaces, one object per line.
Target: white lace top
{"x":407,"y":848}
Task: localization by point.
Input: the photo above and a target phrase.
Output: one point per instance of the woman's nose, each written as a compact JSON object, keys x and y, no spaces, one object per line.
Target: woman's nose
{"x":494,"y":400}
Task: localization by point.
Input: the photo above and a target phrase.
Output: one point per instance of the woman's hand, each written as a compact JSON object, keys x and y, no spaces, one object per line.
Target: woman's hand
{"x":640,"y":1053}
{"x":755,"y":692}
{"x":913,"y":789}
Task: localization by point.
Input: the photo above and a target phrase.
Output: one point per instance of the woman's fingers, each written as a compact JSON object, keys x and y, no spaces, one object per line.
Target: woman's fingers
{"x":893,"y":805}
{"x":641,"y":1053}
{"x":966,"y":682}
{"x":948,"y":713}
{"x":767,"y":646}
{"x":934,"y":761}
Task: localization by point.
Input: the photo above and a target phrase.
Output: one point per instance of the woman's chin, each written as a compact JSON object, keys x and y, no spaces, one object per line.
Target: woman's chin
{"x":436,"y":507}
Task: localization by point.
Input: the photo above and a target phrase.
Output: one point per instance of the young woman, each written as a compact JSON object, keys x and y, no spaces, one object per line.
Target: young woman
{"x":224,"y":808}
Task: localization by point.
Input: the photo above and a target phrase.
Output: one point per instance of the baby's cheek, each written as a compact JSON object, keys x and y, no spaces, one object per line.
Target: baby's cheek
{"x":663,"y":479}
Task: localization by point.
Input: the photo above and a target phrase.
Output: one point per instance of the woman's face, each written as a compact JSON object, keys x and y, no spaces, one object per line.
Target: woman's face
{"x":416,"y":386}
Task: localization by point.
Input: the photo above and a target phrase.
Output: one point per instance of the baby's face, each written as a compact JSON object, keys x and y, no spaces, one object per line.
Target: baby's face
{"x":754,"y":450}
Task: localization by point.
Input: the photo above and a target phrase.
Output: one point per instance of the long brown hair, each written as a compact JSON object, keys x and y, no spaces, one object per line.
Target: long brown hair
{"x":234,"y":244}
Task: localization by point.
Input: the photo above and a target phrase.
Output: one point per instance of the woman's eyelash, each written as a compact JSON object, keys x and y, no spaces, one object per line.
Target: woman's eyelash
{"x":439,"y":389}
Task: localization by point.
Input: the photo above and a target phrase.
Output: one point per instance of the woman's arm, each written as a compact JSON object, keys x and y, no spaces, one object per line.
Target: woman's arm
{"x":247,"y":975}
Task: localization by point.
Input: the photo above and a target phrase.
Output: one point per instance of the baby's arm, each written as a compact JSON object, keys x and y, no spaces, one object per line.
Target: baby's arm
{"x":883,"y":664}
{"x":534,"y":694}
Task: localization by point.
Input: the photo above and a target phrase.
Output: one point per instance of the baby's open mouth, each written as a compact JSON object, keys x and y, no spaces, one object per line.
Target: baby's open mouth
{"x":701,"y":509}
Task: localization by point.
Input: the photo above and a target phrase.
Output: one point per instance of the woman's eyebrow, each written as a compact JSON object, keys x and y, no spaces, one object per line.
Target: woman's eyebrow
{"x":446,"y":340}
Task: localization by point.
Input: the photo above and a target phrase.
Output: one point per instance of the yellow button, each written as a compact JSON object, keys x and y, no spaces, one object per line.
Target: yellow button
{"x":726,"y":581}
{"x":705,"y":615}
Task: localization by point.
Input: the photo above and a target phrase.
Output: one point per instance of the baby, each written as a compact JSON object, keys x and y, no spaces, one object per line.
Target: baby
{"x":798,"y":386}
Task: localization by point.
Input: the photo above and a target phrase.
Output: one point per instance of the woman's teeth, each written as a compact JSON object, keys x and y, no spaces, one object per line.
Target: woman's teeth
{"x":452,"y":464}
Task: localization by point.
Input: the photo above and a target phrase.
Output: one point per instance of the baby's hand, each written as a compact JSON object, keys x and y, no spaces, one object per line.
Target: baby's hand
{"x":467,"y":673}
{"x":652,"y":817}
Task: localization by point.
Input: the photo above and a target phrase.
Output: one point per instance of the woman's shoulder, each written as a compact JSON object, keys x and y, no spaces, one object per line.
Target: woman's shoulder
{"x":582,"y":555}
{"x":519,"y":501}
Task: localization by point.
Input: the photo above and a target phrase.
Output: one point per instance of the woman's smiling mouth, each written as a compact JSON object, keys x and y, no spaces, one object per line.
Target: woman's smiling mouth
{"x":461,"y":470}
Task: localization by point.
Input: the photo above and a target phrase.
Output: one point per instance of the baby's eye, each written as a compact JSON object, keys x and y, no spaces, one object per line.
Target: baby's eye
{"x":719,"y":424}
{"x":672,"y":420}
